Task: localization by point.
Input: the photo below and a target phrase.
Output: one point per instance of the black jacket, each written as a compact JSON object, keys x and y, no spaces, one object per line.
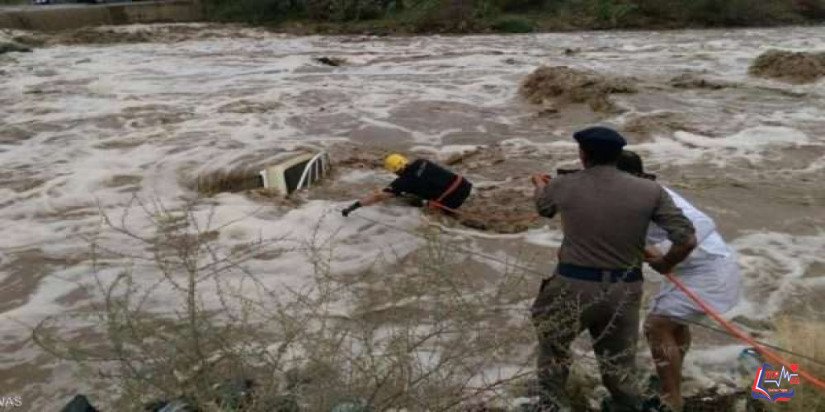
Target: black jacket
{"x":430,"y":181}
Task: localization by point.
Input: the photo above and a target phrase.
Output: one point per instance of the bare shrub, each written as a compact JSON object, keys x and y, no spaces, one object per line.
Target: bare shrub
{"x":806,"y":337}
{"x":184,"y":318}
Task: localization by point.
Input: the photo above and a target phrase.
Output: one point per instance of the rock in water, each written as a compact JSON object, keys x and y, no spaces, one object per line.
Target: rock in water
{"x":792,"y":67}
{"x":693,"y":81}
{"x":561,"y":85}
{"x":10,"y":46}
{"x":331,"y":61}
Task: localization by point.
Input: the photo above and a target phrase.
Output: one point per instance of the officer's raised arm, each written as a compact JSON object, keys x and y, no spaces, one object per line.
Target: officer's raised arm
{"x":543,"y":195}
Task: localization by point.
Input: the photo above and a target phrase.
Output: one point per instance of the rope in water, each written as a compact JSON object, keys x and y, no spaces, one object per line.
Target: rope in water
{"x":763,"y":343}
{"x":463,"y":215}
{"x":455,"y":247}
{"x":730,"y":329}
{"x":770,"y":355}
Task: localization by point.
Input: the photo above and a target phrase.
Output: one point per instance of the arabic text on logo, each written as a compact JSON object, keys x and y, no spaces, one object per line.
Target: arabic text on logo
{"x":775,"y":385}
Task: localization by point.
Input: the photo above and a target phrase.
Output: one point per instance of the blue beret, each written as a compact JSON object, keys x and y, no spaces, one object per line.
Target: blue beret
{"x":601,"y":136}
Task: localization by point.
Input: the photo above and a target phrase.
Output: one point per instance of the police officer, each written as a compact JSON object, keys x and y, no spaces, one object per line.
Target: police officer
{"x":422,"y":178}
{"x":597,"y":283}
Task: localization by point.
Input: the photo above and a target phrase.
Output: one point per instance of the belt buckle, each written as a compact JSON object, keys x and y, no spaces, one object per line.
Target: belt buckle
{"x":625,"y":275}
{"x":607,"y":276}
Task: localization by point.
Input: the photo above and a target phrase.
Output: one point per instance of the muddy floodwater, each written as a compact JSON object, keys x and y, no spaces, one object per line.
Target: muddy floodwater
{"x":87,"y":126}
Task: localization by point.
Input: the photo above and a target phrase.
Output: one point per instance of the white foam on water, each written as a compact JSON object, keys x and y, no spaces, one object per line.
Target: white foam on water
{"x":358,"y":176}
{"x":351,"y":245}
{"x":753,"y":144}
{"x":774,"y":266}
{"x":545,"y":237}
{"x":442,"y":153}
{"x":748,"y":139}
{"x":716,"y":367}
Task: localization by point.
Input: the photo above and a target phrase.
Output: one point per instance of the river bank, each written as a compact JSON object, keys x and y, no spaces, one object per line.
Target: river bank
{"x":509,"y":16}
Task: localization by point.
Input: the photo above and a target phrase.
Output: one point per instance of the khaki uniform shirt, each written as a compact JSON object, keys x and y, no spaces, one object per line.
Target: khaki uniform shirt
{"x":605,"y":215}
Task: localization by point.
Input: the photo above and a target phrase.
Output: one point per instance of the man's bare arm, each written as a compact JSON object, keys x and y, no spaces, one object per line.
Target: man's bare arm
{"x":680,"y":231}
{"x":375,"y":197}
{"x":675,"y":255}
{"x":371,"y":199}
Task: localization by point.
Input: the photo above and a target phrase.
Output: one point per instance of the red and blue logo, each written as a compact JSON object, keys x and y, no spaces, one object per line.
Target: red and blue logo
{"x":775,"y":385}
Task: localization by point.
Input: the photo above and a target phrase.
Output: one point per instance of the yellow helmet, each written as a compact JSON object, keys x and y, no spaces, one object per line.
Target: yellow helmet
{"x":395,"y":162}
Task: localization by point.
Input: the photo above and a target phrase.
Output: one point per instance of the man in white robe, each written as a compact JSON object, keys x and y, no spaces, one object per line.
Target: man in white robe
{"x":711,"y":271}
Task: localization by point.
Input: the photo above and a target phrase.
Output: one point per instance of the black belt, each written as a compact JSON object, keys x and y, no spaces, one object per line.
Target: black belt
{"x":597,"y":275}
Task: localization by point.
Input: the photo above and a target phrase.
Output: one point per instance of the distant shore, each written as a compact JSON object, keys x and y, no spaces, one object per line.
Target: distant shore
{"x":385,"y":17}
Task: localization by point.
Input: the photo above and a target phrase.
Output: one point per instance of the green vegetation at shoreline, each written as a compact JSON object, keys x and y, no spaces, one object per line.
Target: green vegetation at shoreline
{"x":510,"y":16}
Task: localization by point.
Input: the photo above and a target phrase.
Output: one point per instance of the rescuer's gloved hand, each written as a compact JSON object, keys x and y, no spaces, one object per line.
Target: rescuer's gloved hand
{"x":350,"y":208}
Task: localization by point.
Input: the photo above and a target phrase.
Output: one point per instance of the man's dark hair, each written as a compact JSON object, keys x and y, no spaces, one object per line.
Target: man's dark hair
{"x":630,"y":162}
{"x":600,"y":154}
